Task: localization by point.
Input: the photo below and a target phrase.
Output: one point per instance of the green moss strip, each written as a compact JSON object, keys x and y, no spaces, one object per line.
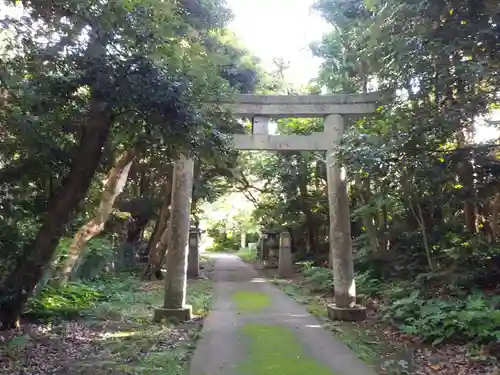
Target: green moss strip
{"x":275,"y":350}
{"x":247,"y":301}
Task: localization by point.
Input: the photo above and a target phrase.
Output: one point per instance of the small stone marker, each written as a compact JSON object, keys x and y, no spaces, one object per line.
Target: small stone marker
{"x":193,"y":270}
{"x":263,"y":248}
{"x":243,"y":244}
{"x":285,"y":262}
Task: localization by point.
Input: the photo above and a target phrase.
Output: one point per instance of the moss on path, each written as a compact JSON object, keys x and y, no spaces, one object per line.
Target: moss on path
{"x":248,"y":301}
{"x":275,"y":350}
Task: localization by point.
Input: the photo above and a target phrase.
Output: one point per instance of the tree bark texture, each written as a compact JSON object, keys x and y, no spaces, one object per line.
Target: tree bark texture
{"x":117,"y":178}
{"x":157,"y":245}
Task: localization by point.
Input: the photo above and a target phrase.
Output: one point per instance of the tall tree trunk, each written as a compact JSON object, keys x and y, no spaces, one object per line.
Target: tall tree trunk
{"x":368,"y":217}
{"x":484,"y":215}
{"x":495,"y":209}
{"x":158,"y":242}
{"x":418,"y":214}
{"x":117,"y":178}
{"x":466,"y":170}
{"x":466,"y":173}
{"x":304,"y":195}
{"x":420,"y":218}
{"x":19,"y":285}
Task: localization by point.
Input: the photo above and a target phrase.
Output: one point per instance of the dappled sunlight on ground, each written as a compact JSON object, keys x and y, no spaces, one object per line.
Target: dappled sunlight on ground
{"x":116,"y":336}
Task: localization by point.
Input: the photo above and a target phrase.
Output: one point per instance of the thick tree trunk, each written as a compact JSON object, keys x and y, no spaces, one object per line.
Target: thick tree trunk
{"x":117,"y":178}
{"x":19,"y":285}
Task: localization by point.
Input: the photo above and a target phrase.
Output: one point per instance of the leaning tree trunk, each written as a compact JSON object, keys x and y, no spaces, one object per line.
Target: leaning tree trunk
{"x":117,"y":178}
{"x":158,"y":256}
{"x":158,"y":242}
{"x":19,"y":285}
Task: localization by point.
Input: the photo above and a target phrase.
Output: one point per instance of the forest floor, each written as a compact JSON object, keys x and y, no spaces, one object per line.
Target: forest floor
{"x":113,"y":336}
{"x":379,"y":344}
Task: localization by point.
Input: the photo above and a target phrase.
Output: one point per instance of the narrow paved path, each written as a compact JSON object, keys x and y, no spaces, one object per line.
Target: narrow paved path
{"x":255,"y":329}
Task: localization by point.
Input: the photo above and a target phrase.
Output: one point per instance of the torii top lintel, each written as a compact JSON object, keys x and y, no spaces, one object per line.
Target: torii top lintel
{"x":277,"y":106}
{"x":263,"y":107}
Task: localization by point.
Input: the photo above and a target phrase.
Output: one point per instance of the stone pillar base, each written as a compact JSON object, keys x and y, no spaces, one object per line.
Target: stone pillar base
{"x":270,"y":264}
{"x":182,"y":315}
{"x":356,"y":313}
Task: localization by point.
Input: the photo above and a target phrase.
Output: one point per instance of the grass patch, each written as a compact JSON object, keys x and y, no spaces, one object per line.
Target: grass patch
{"x":251,"y":301}
{"x":247,"y":255}
{"x":276,"y":350}
{"x":362,"y":340}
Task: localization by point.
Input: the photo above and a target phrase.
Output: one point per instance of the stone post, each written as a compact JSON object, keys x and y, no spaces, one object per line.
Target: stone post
{"x":193,"y":270}
{"x":177,"y":256}
{"x":243,"y":244}
{"x":340,"y":231}
{"x":262,"y":247}
{"x":285,"y":261}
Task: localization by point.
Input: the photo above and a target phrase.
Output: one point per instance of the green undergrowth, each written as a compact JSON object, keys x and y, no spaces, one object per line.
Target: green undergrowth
{"x":366,"y":342}
{"x":276,"y":350}
{"x":247,"y":255}
{"x":434,"y":312}
{"x":120,"y":310}
{"x":65,"y":302}
{"x":473,"y":319}
{"x":437,"y":314}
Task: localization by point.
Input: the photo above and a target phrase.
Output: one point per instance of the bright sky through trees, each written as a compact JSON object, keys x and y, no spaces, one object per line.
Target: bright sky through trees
{"x":280,"y":28}
{"x":285,"y":28}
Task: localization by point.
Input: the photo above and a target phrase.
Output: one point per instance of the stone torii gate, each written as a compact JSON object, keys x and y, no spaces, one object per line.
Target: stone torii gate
{"x":334,"y":109}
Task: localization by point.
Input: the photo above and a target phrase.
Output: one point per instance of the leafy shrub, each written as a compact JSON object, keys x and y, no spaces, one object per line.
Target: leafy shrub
{"x":437,"y":320}
{"x":224,"y":244}
{"x":97,"y":253}
{"x":64,"y":301}
{"x":366,"y":284}
{"x":319,"y":278}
